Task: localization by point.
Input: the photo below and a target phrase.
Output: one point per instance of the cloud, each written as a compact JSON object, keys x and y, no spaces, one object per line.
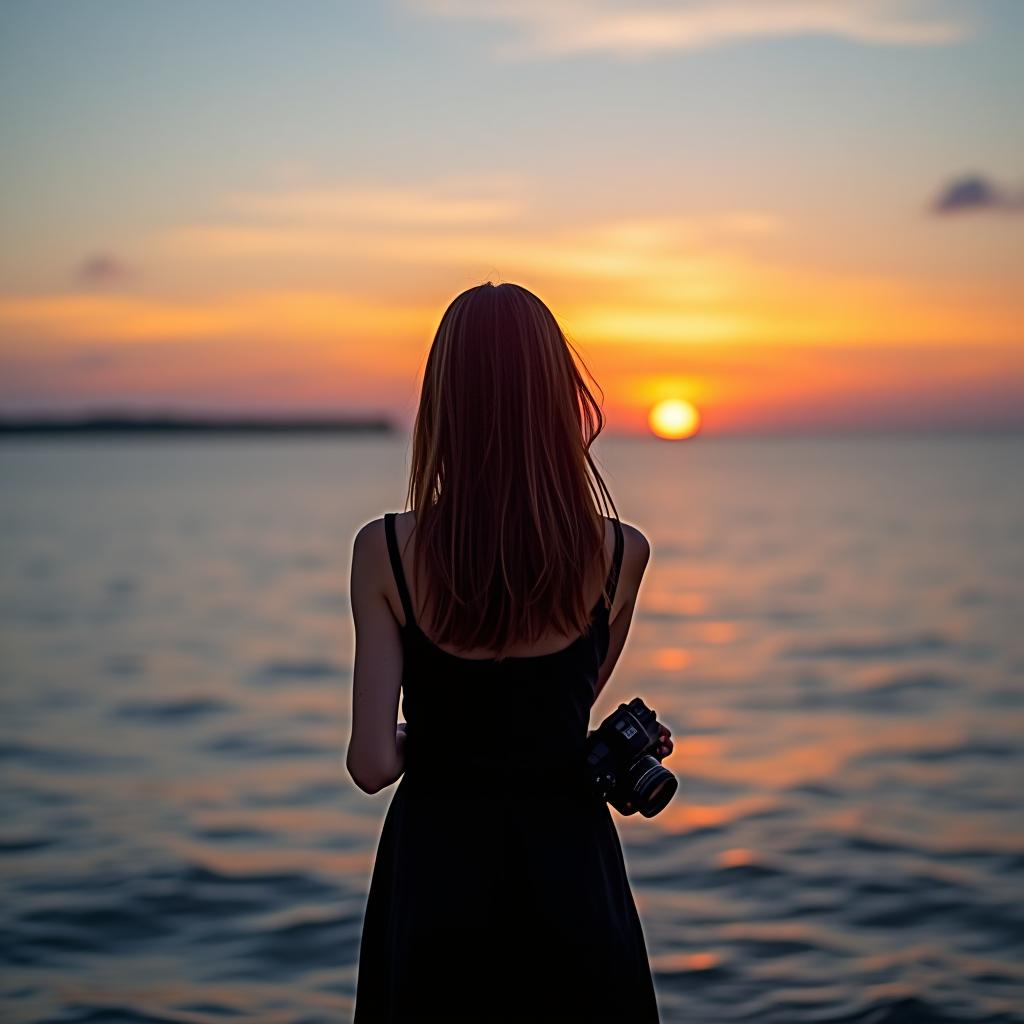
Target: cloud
{"x":96,"y":358}
{"x":454,"y":205}
{"x":549,"y":28}
{"x":281,"y":314}
{"x":101,"y":269}
{"x":439,"y":226}
{"x":972,"y":193}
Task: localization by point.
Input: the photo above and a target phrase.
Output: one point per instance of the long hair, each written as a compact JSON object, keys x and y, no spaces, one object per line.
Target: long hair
{"x":507,"y":519}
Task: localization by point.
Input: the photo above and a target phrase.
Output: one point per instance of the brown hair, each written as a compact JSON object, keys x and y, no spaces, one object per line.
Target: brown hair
{"x":507,"y":519}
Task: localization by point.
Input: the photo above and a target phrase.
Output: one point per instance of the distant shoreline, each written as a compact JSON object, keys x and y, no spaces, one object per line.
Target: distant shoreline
{"x":117,"y":424}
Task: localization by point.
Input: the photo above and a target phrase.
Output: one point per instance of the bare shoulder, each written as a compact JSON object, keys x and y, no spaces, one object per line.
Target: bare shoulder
{"x":636,"y":546}
{"x":636,"y":553}
{"x":369,"y":536}
{"x":369,"y":551}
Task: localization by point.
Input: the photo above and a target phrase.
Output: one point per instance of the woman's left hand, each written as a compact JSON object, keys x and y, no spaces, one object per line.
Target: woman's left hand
{"x":665,"y":745}
{"x":400,"y":738}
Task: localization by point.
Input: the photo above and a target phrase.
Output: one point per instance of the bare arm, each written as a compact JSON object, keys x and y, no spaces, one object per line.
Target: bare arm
{"x":636,"y":554}
{"x":375,"y":755}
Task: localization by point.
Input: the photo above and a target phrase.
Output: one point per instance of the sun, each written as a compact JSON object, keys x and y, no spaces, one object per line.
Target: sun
{"x":675,"y":418}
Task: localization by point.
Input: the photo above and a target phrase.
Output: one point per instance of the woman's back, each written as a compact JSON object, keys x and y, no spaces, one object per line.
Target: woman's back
{"x":446,"y":697}
{"x":499,"y":890}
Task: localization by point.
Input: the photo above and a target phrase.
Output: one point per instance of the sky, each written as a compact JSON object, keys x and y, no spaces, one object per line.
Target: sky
{"x":797,"y":215}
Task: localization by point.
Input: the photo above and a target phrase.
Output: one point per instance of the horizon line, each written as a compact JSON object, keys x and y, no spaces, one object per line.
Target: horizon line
{"x":103,"y":422}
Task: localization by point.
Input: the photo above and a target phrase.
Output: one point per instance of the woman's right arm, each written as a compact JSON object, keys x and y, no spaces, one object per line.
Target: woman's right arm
{"x":636,"y":553}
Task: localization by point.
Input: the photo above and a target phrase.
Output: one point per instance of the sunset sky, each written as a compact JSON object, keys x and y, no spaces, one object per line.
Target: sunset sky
{"x":794,"y":214}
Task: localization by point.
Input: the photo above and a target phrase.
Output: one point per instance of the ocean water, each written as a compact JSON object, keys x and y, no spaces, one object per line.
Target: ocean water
{"x":833,"y":629}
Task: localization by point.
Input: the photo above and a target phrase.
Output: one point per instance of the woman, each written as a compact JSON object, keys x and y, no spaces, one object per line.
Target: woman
{"x":498,"y":605}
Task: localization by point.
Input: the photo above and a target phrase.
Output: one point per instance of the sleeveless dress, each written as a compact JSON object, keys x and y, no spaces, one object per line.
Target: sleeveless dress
{"x":499,"y":892}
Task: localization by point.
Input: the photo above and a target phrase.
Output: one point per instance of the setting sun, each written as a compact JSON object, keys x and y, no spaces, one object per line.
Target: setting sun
{"x":674,"y":418}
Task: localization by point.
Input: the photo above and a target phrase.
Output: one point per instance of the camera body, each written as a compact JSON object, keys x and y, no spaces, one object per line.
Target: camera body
{"x":620,"y":765}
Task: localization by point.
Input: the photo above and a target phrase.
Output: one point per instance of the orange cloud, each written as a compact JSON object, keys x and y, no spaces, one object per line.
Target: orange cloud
{"x":281,"y":315}
{"x":585,"y":26}
{"x":657,"y":279}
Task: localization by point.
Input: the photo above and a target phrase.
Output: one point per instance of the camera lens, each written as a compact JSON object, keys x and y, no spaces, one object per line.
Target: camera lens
{"x":652,"y":785}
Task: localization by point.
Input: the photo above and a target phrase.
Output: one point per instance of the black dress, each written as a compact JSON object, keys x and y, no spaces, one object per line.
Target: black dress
{"x":499,"y":891}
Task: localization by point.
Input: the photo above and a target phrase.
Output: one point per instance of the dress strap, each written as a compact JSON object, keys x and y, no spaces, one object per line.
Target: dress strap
{"x":613,"y":573}
{"x":396,"y":568}
{"x":612,"y":580}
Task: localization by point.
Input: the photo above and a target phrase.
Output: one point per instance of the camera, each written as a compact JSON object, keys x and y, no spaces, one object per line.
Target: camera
{"x":620,"y":766}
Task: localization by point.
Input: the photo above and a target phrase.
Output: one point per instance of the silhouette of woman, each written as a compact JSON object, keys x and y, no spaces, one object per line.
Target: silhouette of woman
{"x":497,"y":605}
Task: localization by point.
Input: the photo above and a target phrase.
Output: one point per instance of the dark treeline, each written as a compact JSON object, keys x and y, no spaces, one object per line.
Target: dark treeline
{"x":180,"y":424}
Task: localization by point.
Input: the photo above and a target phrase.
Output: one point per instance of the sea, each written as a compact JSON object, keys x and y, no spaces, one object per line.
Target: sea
{"x":832,"y":628}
